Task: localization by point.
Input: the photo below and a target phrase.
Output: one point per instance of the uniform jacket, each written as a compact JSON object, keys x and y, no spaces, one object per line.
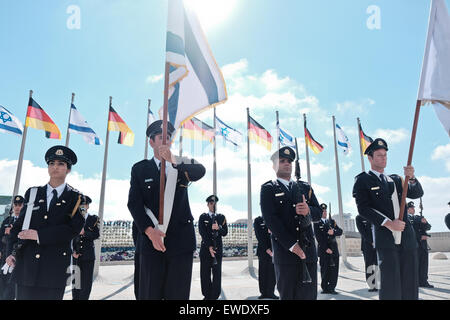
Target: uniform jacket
{"x":46,"y":264}
{"x":278,"y":210}
{"x":324,"y":240}
{"x":205,"y":223}
{"x":7,"y":222}
{"x":365,"y":230}
{"x":263,"y":236}
{"x":369,"y":194}
{"x":144,"y":191}
{"x":84,"y":244}
{"x":420,"y":229}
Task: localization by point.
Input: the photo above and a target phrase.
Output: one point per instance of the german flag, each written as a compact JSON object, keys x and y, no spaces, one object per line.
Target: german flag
{"x":38,"y":119}
{"x":365,"y":139}
{"x":257,"y":133}
{"x":115,"y":123}
{"x":198,"y":130}
{"x":313,"y":144}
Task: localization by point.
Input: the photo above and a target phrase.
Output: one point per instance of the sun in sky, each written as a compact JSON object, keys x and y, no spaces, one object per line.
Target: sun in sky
{"x":212,"y":13}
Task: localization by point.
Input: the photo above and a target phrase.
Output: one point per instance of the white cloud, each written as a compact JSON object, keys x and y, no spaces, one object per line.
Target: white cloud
{"x":154,"y":78}
{"x":355,"y":107}
{"x":392,"y":136}
{"x":442,"y":153}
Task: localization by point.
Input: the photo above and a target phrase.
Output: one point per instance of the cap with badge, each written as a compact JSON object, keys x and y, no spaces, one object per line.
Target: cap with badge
{"x":378,"y":143}
{"x":86,"y":200}
{"x":411,"y":204}
{"x":155,"y":128}
{"x":284,"y":152}
{"x":19,"y":199}
{"x":212,"y":198}
{"x":61,"y":153}
{"x":323,"y":206}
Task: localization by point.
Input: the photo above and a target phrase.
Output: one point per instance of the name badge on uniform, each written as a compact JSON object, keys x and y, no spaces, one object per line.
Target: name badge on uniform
{"x":279,"y":194}
{"x":375,"y":188}
{"x":148,"y":180}
{"x":42,"y":200}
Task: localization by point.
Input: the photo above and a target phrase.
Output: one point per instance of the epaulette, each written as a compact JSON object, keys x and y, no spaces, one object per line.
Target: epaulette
{"x":360,"y":175}
{"x":269,"y":183}
{"x":70,"y":188}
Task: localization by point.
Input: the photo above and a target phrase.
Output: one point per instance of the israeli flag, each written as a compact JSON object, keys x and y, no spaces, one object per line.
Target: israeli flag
{"x":78,"y":125}
{"x":228,"y":133}
{"x":342,"y":140}
{"x":9,"y":123}
{"x":195,"y":81}
{"x":151,"y":117}
{"x":286,"y":139}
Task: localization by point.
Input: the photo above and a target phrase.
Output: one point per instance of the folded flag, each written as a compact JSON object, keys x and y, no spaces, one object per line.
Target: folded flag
{"x":115,"y":123}
{"x":38,"y":119}
{"x":9,"y":123}
{"x":78,"y":125}
{"x":342,"y":140}
{"x":365,"y":139}
{"x":198,"y":130}
{"x":257,"y":133}
{"x":228,"y":133}
{"x":315,"y":146}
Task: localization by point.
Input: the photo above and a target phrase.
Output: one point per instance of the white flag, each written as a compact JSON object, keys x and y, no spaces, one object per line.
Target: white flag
{"x":78,"y":125}
{"x":286,"y":139}
{"x":228,"y":133}
{"x":342,"y":140}
{"x":9,"y":123}
{"x":435,"y":78}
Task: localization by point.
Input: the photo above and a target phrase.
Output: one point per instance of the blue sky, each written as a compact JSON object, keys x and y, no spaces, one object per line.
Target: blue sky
{"x":317,"y":57}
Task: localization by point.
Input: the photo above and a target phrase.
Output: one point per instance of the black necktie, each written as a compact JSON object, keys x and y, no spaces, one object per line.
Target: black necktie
{"x":54,"y":199}
{"x":384,"y":181}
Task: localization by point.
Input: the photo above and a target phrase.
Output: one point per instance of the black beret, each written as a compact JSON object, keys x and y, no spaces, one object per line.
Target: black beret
{"x":156,"y":128}
{"x":61,"y":153}
{"x":323,"y":206}
{"x":18,"y":199}
{"x":86,"y":200}
{"x":284,"y":152}
{"x":212,"y":198}
{"x":411,"y":204}
{"x":378,"y":143}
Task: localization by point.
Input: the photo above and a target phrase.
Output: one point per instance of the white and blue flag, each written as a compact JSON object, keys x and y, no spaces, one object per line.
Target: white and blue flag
{"x":228,"y":133}
{"x":195,"y":81}
{"x":286,"y":139}
{"x":151,"y":117}
{"x":342,"y":140}
{"x":9,"y":123}
{"x":78,"y":125}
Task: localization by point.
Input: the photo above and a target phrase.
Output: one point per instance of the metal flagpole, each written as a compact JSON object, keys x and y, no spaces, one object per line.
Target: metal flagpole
{"x":181,"y":141}
{"x":278,"y":130}
{"x":360,"y":146}
{"x":308,"y":169}
{"x":20,"y":161}
{"x":249,"y":200}
{"x":341,"y":215}
{"x":146,"y":138}
{"x":214,"y":158}
{"x":98,"y":243}
{"x":68,"y":122}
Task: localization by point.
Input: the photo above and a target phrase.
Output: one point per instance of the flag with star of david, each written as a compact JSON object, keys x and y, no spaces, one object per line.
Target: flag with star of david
{"x":9,"y":123}
{"x":228,"y":133}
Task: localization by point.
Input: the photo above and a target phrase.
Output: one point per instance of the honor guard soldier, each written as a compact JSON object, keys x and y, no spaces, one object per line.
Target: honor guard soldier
{"x":266,"y":270}
{"x":421,"y":226}
{"x":326,"y":231}
{"x":166,"y":259}
{"x":288,"y":208}
{"x":41,"y":237}
{"x":369,"y":253}
{"x":84,"y":253}
{"x":7,"y":287}
{"x":378,"y":198}
{"x":212,"y":227}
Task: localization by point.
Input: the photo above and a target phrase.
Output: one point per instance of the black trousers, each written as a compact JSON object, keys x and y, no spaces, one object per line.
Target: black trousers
{"x":398,"y":274}
{"x":39,"y":293}
{"x":7,"y":287}
{"x":266,"y":276}
{"x":86,"y":270}
{"x":329,"y":274}
{"x":289,"y":281}
{"x":165,"y":277}
{"x":423,"y":265}
{"x":136,"y":275}
{"x":211,"y":286}
{"x":371,"y":265}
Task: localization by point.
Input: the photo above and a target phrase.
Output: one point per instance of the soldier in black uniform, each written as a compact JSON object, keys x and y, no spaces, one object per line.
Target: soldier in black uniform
{"x":326,"y":232}
{"x":84,"y":253}
{"x":421,"y":226}
{"x":166,"y":258}
{"x":369,"y":252}
{"x":212,"y":227}
{"x":7,"y":287}
{"x":378,"y":199}
{"x":288,"y":208}
{"x":136,"y":241}
{"x":266,"y":270}
{"x":41,"y":253}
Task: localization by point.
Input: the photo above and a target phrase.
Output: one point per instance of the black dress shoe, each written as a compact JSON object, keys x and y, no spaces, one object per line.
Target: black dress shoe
{"x":426,"y":285}
{"x":262,"y":297}
{"x":273,"y":296}
{"x":325,"y":292}
{"x":334,"y":292}
{"x":373,"y":290}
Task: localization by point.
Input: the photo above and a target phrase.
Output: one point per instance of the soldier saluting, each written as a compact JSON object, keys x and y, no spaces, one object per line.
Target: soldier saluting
{"x":378,"y":198}
{"x":42,"y":245}
{"x":212,"y":227}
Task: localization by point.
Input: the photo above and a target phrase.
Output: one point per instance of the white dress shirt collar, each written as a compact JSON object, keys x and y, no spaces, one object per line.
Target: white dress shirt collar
{"x":59,"y":190}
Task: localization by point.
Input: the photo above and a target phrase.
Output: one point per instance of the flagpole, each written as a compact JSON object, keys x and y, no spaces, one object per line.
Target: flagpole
{"x":360,"y":146}
{"x":102,"y":194}
{"x":278,"y":129}
{"x":181,"y":141}
{"x":68,"y":122}
{"x":146,"y":138}
{"x":249,"y":200}
{"x":214,"y":158}
{"x":341,"y":215}
{"x":308,"y":169}
{"x":22,"y":149}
